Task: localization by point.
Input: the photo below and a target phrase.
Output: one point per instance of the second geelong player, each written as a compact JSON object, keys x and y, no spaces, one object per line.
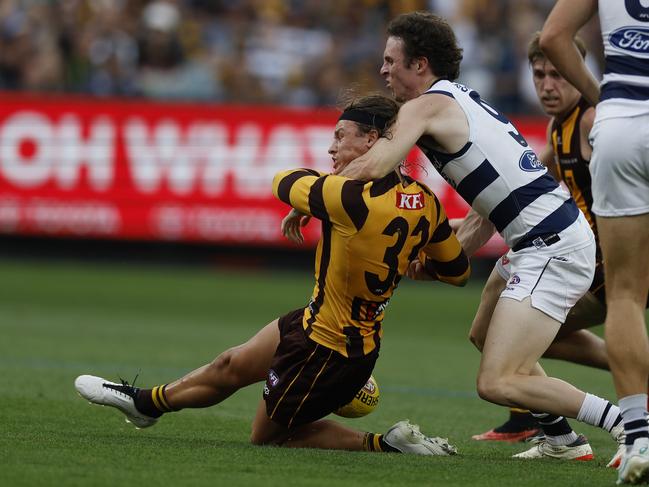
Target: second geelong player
{"x":490,"y":164}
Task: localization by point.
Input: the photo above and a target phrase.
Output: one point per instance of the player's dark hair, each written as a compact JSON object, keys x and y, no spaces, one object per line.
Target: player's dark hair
{"x":427,"y":35}
{"x":373,"y":104}
{"x":534,"y":52}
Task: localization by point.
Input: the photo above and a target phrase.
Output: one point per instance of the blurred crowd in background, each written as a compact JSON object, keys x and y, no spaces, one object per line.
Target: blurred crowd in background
{"x":291,"y":52}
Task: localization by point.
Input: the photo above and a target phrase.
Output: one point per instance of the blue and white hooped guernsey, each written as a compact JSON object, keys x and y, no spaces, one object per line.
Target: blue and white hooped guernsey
{"x":499,"y":175}
{"x":625,"y":34}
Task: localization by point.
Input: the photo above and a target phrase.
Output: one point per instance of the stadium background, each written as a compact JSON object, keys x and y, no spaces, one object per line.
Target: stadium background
{"x":138,"y":232}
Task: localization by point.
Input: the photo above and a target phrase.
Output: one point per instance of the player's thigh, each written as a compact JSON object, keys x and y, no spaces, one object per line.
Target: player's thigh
{"x":488,"y":300}
{"x":517,"y":337}
{"x":624,"y":243}
{"x":254,"y":357}
{"x":620,"y":166}
{"x":589,"y":311}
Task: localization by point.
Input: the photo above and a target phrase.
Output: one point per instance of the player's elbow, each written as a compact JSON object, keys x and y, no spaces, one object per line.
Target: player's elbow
{"x":550,"y":37}
{"x":277,"y":179}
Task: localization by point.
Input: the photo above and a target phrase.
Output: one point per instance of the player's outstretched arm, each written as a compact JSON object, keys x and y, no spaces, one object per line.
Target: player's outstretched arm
{"x":566,"y":18}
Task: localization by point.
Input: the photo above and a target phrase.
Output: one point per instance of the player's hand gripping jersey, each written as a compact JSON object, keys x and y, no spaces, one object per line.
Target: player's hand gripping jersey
{"x":370,"y":233}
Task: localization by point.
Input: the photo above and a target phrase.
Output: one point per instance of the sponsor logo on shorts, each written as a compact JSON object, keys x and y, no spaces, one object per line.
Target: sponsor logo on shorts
{"x":514,"y":280}
{"x":410,"y":201}
{"x":272,"y":378}
{"x":529,"y":162}
{"x":631,"y":39}
{"x":266,"y":390}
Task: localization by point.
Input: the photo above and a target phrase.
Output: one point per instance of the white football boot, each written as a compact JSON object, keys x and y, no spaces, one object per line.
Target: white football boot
{"x":407,"y":438}
{"x":120,"y":396}
{"x":618,"y":435}
{"x":635,"y":463}
{"x":577,"y":450}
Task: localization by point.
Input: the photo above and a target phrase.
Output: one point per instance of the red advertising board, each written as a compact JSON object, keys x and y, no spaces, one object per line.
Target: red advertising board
{"x":158,"y":171}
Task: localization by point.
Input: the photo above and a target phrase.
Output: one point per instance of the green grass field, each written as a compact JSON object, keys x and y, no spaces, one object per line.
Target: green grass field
{"x":60,"y":320}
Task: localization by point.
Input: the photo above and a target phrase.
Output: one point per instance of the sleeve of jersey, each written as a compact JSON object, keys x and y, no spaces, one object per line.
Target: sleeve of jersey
{"x":303,"y":190}
{"x":443,"y":257}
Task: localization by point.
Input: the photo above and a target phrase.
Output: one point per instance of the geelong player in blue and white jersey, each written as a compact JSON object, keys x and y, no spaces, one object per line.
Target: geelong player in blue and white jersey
{"x":620,"y":182}
{"x":482,"y":155}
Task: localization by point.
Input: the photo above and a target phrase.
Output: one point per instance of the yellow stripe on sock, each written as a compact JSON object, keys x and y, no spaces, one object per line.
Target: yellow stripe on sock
{"x":518,"y":410}
{"x":377,"y":443}
{"x":154,"y":394}
{"x":163,"y":399}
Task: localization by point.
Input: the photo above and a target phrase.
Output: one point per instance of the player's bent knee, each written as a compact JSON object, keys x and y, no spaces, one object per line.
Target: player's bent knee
{"x":493,"y":389}
{"x":260,"y":438}
{"x":256,"y":439}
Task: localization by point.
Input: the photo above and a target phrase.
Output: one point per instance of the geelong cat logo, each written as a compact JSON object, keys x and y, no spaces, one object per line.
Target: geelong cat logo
{"x":631,"y":39}
{"x":529,"y":162}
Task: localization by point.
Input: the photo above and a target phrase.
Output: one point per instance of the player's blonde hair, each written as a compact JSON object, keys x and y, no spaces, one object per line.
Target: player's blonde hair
{"x":534,"y":52}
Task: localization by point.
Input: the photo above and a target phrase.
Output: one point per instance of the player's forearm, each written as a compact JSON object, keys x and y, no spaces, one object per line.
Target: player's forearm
{"x":366,"y":168}
{"x":473,"y":232}
{"x":569,"y":63}
{"x":455,"y":272}
{"x":556,"y":41}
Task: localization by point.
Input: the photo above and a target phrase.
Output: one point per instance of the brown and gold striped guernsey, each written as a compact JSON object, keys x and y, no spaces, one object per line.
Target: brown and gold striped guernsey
{"x":575,"y":172}
{"x":573,"y":168}
{"x":370,"y":233}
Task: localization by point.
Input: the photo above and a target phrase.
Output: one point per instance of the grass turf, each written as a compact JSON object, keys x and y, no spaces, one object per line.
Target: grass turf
{"x":61,"y":320}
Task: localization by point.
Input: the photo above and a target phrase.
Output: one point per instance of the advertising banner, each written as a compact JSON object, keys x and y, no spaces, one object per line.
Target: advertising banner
{"x":122,"y":169}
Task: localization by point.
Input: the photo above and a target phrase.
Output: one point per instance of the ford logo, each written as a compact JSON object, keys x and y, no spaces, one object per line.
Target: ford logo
{"x":529,"y":162}
{"x":633,"y":39}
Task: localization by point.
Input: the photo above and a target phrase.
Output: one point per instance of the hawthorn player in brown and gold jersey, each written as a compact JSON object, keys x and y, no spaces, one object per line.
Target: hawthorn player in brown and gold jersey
{"x":371,"y":231}
{"x":570,"y":156}
{"x":315,"y":359}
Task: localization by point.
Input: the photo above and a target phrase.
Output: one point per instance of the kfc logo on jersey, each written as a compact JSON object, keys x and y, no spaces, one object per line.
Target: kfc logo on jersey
{"x":410,"y":201}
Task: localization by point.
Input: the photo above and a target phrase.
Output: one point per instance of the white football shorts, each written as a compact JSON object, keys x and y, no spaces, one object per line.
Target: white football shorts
{"x":554,"y":277}
{"x":620,"y":166}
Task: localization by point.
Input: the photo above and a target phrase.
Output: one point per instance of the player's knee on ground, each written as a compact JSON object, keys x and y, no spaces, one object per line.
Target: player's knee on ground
{"x":259,"y":438}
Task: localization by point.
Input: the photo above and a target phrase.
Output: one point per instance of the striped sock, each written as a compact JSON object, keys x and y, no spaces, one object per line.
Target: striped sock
{"x":374,"y":442}
{"x":557,"y":430}
{"x":634,"y":412}
{"x":153,"y":402}
{"x":599,"y":412}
